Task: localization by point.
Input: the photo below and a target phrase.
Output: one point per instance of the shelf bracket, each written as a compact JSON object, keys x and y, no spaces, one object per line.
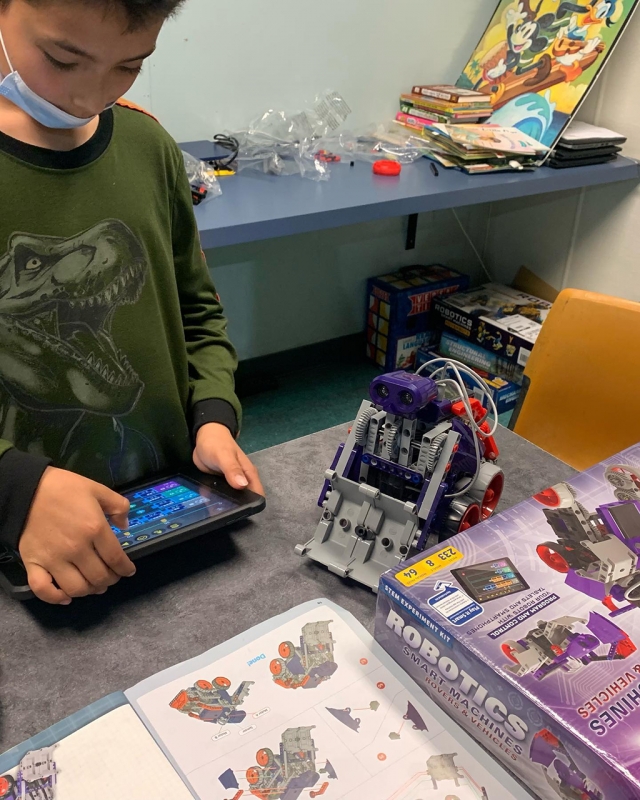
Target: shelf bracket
{"x":412,"y":230}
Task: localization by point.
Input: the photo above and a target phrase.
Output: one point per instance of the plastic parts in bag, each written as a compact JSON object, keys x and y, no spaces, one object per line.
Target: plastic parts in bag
{"x":278,"y":143}
{"x":201,"y":177}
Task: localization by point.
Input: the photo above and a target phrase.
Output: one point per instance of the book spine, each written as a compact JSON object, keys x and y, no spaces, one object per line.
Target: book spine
{"x":438,"y":105}
{"x":450,"y":97}
{"x":406,"y":109}
{"x":412,"y":122}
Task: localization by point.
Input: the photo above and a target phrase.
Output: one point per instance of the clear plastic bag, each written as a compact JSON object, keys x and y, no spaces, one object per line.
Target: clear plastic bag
{"x":278,"y":143}
{"x":385,"y":142}
{"x":200,"y":173}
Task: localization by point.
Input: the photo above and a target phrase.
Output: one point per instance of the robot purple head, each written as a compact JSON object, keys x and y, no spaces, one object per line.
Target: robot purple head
{"x":417,"y":467}
{"x":597,"y":552}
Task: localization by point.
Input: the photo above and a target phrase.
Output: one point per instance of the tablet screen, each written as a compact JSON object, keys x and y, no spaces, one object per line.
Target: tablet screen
{"x":490,"y":580}
{"x":167,"y":506}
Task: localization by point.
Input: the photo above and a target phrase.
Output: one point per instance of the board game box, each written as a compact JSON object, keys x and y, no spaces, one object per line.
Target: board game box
{"x":399,"y":312}
{"x":526,"y":630}
{"x":305,"y":705}
{"x":501,"y":320}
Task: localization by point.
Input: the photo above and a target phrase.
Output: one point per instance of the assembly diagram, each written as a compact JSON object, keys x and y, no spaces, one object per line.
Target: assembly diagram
{"x":284,"y":774}
{"x":210,"y":701}
{"x":309,"y":664}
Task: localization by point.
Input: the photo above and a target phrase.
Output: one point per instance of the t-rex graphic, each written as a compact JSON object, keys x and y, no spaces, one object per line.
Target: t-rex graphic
{"x":58,"y":360}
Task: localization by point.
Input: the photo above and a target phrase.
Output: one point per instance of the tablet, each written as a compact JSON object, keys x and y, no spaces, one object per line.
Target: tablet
{"x":490,"y":579}
{"x":164,"y":512}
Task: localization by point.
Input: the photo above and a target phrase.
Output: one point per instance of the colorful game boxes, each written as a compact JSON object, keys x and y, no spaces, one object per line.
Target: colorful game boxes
{"x":526,"y":630}
{"x":501,"y":320}
{"x":398,"y":312}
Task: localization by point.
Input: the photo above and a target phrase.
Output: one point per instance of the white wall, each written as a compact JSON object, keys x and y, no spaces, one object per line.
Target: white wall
{"x":219,"y":65}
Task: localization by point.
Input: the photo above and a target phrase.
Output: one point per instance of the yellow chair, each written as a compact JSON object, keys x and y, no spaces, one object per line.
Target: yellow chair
{"x":582,"y":401}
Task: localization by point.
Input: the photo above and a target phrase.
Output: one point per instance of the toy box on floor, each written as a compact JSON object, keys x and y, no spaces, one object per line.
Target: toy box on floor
{"x":399,"y":312}
{"x":526,"y":628}
{"x":504,"y":393}
{"x":503,"y":321}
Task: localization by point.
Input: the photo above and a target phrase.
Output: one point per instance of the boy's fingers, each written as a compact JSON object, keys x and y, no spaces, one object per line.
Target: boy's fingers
{"x":41,"y":584}
{"x":111,"y":552}
{"x":71,"y":581}
{"x":255,"y":484}
{"x":232,"y":469}
{"x":114,"y":505}
{"x":99,"y":576}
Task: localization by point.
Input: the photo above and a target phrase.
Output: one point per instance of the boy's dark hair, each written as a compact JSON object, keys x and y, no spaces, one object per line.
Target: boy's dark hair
{"x":138,"y":11}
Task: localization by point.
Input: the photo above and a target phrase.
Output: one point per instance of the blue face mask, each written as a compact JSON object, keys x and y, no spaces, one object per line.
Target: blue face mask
{"x":16,"y":90}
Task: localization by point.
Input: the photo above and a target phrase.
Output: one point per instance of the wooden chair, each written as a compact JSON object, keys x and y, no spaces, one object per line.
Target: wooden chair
{"x":581,"y":400}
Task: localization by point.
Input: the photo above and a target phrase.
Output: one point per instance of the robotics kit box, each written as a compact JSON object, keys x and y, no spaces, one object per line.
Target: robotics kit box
{"x":479,"y":359}
{"x":526,"y":629}
{"x":399,"y":312}
{"x":499,"y":319}
{"x":504,"y":393}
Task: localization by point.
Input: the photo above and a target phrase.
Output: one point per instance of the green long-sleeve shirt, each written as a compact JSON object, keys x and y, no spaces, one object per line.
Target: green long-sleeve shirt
{"x":113,"y":343}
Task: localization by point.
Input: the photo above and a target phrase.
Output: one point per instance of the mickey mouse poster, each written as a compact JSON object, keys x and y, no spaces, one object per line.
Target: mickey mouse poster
{"x":538,"y":58}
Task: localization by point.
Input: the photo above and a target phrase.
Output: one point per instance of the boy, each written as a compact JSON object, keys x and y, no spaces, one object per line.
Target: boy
{"x":113,"y":347}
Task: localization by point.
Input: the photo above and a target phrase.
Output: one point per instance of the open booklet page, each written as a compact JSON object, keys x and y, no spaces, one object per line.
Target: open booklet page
{"x":311,"y":707}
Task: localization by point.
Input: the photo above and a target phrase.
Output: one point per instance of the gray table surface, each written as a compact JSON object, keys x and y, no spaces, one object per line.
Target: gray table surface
{"x":54,"y":661}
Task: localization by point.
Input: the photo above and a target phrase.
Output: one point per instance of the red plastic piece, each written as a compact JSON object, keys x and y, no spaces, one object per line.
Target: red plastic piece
{"x":387,"y":168}
{"x":204,"y":685}
{"x":626,"y":647}
{"x":4,"y":786}
{"x":552,"y":559}
{"x":477,"y":409}
{"x":548,"y":497}
{"x":509,"y":652}
{"x":492,"y":496}
{"x":548,"y":737}
{"x":609,"y":602}
{"x":491,"y":451}
{"x":470,"y":518}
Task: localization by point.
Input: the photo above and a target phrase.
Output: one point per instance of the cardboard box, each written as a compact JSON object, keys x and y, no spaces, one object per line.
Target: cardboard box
{"x":503,"y":321}
{"x":399,"y":312}
{"x":504,"y":393}
{"x":526,"y":629}
{"x":478,"y":358}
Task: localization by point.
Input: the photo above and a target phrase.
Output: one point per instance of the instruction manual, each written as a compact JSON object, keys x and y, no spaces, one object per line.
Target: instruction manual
{"x":305,"y":705}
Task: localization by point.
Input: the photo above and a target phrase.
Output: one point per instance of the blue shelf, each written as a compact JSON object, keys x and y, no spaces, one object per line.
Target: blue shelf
{"x":255,"y":206}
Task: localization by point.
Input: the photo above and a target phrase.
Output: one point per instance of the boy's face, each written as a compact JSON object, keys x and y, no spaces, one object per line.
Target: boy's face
{"x":76,"y":56}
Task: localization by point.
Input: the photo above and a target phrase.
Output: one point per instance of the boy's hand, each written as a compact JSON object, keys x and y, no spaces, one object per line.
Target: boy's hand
{"x":217,"y":451}
{"x":67,"y":538}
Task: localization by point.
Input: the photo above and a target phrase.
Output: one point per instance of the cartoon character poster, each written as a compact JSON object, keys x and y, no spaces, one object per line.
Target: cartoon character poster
{"x":538,"y":58}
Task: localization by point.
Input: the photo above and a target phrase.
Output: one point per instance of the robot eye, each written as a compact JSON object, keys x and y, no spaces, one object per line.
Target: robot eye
{"x":382,"y":390}
{"x":406,"y":398}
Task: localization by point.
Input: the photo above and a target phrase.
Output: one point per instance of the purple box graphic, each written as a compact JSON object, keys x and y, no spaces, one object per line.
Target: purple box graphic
{"x":526,"y":629}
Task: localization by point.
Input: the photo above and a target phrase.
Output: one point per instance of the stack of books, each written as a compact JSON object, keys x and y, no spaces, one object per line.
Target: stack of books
{"x":479,"y":148}
{"x":444,"y":104}
{"x":583,"y":144}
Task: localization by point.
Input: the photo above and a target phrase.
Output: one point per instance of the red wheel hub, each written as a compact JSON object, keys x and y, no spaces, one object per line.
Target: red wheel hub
{"x":548,"y":497}
{"x":510,"y":652}
{"x":552,"y":558}
{"x":4,"y":786}
{"x":470,"y":518}
{"x":492,"y":495}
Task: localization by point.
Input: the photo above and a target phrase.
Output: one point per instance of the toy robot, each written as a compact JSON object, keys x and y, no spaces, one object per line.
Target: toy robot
{"x":566,"y":779}
{"x":35,"y":780}
{"x":211,"y":702}
{"x":286,"y":775}
{"x":416,"y":468}
{"x":597,"y":552}
{"x":444,"y":768}
{"x":555,"y":645}
{"x":310,"y":664}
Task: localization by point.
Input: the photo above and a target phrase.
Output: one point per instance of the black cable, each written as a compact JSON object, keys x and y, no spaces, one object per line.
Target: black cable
{"x":228,"y":143}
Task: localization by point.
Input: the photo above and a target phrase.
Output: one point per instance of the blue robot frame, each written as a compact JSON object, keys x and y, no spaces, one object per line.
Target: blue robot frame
{"x":414,"y":470}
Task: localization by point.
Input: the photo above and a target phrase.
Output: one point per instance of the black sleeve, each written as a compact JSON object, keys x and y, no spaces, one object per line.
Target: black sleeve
{"x":20,"y":475}
{"x":215,"y":410}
